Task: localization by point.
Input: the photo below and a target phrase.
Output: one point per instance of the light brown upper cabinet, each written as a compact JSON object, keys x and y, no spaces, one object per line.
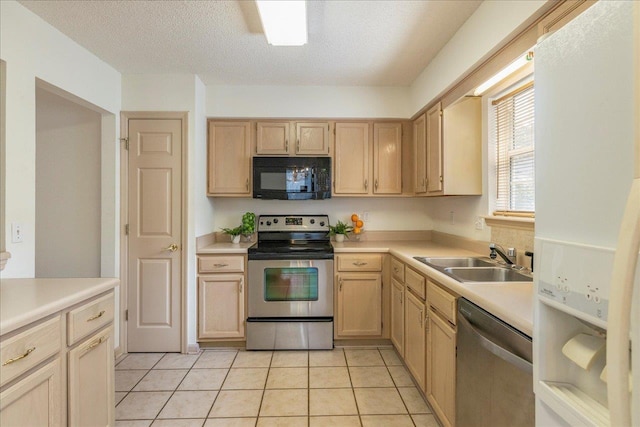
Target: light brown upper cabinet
{"x":434,"y":150}
{"x":292,"y":138}
{"x":360,"y":145}
{"x":452,"y":149}
{"x":229,"y":159}
{"x":351,"y":161}
{"x":272,"y":138}
{"x":312,"y":139}
{"x":387,"y":158}
{"x":420,"y":154}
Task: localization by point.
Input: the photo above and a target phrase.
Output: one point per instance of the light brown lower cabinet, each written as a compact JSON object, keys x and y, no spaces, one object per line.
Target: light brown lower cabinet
{"x":35,"y":400}
{"x":441,"y":365}
{"x":414,"y":345}
{"x":221,"y":306}
{"x":91,"y":382}
{"x":359,"y":304}
{"x":397,"y":315}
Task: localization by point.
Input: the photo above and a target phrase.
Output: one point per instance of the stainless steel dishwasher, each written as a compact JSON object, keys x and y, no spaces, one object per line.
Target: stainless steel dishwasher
{"x":494,"y":382}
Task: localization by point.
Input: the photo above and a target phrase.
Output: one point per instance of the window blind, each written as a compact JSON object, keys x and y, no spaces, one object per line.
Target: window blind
{"x":514,"y":115}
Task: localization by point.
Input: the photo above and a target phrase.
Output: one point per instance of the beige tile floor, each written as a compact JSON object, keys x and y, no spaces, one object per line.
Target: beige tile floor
{"x":342,"y":387}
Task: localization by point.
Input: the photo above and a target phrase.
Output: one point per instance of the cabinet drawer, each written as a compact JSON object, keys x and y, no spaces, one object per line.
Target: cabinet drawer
{"x":442,"y":302}
{"x":27,"y":349}
{"x":360,"y":262}
{"x":415,"y":281}
{"x":89,"y":318}
{"x":220,"y":264}
{"x":397,"y":270}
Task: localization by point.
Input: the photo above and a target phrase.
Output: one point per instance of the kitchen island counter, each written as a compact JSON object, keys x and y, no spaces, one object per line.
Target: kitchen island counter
{"x":23,"y":301}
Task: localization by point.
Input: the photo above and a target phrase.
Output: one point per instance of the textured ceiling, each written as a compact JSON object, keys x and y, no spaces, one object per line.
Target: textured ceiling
{"x":377,"y":43}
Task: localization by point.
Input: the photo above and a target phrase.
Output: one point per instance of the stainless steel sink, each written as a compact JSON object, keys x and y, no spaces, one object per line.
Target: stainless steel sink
{"x":455,"y":262}
{"x":474,"y":270}
{"x":487,"y":274}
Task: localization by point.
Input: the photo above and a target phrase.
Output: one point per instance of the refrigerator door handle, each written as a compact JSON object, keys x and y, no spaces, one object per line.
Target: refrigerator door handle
{"x":620,"y":300}
{"x":494,"y":348}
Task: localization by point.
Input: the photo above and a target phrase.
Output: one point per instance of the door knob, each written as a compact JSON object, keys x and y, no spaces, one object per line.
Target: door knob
{"x":172,"y":247}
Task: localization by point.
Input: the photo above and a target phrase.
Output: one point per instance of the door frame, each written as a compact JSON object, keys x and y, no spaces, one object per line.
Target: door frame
{"x":183,"y":116}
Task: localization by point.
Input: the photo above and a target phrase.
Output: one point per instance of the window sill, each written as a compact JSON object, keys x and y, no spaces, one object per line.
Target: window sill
{"x":527,"y":224}
{"x":4,"y":257}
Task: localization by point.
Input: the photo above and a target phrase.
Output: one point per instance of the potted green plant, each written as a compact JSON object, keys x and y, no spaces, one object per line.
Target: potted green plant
{"x":234,"y":233}
{"x":340,"y":231}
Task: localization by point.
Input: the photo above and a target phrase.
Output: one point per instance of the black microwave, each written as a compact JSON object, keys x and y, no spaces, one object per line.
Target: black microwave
{"x":292,"y":178}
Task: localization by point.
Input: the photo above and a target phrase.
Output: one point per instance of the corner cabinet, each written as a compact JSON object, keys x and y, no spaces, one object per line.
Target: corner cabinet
{"x":229,"y":159}
{"x":358,"y":309}
{"x":221,"y":297}
{"x":447,"y":144}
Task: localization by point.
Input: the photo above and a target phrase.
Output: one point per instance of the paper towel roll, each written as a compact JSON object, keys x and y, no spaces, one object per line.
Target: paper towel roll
{"x":584,"y":349}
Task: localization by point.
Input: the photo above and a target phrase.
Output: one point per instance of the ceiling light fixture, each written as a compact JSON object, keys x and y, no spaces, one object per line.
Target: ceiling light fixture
{"x":284,"y":22}
{"x":508,"y":70}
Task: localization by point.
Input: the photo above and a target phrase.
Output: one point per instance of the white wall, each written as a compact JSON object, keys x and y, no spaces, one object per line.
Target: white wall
{"x":384,"y":213}
{"x":33,"y":49}
{"x":68,"y":179}
{"x":308,"y":101}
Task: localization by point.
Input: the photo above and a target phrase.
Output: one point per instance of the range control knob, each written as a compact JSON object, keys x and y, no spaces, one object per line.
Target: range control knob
{"x":321,"y":223}
{"x":268,"y":223}
{"x":312,"y":221}
{"x":275,"y":220}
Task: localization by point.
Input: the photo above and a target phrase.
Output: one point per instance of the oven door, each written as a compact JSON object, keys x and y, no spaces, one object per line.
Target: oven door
{"x":290,"y":288}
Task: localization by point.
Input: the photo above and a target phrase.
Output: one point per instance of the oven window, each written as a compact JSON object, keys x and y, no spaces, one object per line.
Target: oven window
{"x":291,"y":284}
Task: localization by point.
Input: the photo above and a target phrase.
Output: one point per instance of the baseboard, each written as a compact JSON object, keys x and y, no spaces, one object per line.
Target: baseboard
{"x":193,"y":348}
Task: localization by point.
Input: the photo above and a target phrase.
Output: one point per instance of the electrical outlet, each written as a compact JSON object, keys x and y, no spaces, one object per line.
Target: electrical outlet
{"x":16,"y":232}
{"x":479,"y":223}
{"x":365,"y":216}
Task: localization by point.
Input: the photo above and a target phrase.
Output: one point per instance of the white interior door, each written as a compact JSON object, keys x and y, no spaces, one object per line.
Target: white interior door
{"x":154,"y":268}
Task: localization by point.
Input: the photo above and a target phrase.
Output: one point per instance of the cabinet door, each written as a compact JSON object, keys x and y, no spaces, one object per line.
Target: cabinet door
{"x":35,"y":400}
{"x":387,"y":158}
{"x":312,"y":139}
{"x":351,"y":166}
{"x":434,"y":150}
{"x":420,"y":154}
{"x":414,"y":344}
{"x":397,"y":316}
{"x":441,"y":365}
{"x":91,"y":381}
{"x":229,"y":167}
{"x":272,"y":138}
{"x":359,"y":304}
{"x":221,"y":306}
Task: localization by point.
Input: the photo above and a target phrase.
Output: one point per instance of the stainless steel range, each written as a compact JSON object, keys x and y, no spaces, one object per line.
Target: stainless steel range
{"x":291,"y":284}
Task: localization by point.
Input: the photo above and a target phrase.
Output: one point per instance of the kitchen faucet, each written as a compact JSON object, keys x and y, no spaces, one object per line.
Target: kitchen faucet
{"x":509,"y":257}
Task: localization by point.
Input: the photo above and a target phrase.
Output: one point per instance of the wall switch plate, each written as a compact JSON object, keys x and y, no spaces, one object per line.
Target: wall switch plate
{"x":16,"y":232}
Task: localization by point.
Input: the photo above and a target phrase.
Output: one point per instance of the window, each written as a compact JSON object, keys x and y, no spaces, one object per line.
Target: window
{"x":514,"y":127}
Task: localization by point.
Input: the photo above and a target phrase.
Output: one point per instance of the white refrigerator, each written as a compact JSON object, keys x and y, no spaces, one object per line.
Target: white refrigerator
{"x":587,"y":236}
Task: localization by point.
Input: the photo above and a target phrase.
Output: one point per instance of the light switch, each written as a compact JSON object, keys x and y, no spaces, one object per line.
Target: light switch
{"x":16,"y":233}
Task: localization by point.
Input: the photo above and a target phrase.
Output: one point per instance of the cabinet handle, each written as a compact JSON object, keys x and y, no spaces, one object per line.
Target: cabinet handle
{"x":340,"y":285}
{"x":247,"y":184}
{"x":395,"y":269}
{"x":376,"y":184}
{"x":366,"y":184}
{"x":97,"y":316}
{"x":298,"y":147}
{"x":420,"y":320}
{"x":440,"y":178}
{"x":22,"y":356}
{"x":286,"y":145}
{"x":426,"y":183}
{"x":241,"y":283}
{"x":359,"y":263}
{"x":426,"y":323}
{"x":220,"y":265}
{"x":95,"y":344}
{"x":401,"y":297}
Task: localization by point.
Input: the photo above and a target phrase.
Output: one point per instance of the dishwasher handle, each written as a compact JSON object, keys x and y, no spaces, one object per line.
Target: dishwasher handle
{"x":494,"y":348}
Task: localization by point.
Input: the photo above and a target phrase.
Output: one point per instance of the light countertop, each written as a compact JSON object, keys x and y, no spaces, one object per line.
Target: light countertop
{"x":23,"y":301}
{"x":511,"y":302}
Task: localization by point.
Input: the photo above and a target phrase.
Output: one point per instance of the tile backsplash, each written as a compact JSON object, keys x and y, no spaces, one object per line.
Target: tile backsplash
{"x":508,"y":237}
